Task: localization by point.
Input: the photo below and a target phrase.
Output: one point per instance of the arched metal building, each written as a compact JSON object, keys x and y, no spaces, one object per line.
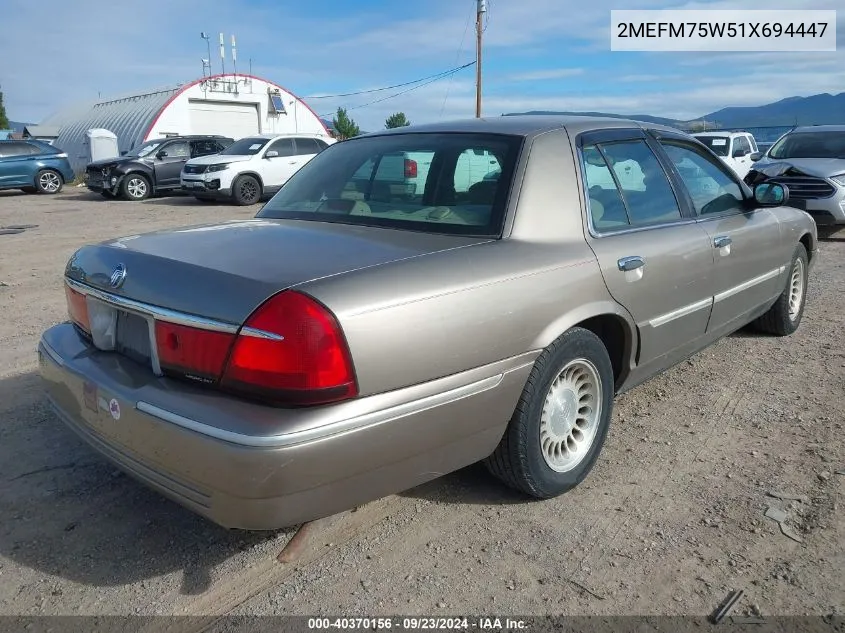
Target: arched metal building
{"x":229,"y":105}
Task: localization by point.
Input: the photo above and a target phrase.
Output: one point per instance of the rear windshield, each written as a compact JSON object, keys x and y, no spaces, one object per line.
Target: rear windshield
{"x":810,"y":145}
{"x":719,"y":144}
{"x":453,"y":184}
{"x":246,"y":147}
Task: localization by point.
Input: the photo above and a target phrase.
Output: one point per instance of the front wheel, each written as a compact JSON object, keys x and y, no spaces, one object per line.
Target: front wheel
{"x":784,"y":317}
{"x":561,"y":420}
{"x":246,"y":190}
{"x":48,"y":181}
{"x":135,"y":187}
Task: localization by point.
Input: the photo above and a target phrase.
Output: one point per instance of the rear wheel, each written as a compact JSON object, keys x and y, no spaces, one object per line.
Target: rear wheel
{"x":784,"y":317}
{"x":246,"y":190}
{"x":560,"y":423}
{"x":135,"y":187}
{"x":48,"y":181}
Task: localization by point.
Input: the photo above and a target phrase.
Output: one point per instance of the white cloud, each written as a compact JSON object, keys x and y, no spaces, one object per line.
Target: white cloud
{"x":553,"y":73}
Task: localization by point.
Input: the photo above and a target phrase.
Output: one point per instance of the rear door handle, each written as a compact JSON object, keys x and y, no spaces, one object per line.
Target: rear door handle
{"x":722,"y":241}
{"x":627,"y":264}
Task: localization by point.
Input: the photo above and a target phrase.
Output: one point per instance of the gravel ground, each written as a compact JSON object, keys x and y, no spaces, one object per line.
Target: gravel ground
{"x":670,"y":520}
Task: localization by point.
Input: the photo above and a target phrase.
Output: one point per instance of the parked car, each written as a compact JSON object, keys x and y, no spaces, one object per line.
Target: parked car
{"x":339,"y":347}
{"x":735,"y":149}
{"x":33,"y":166}
{"x":152,"y":168}
{"x":252,"y":168}
{"x":810,"y":161}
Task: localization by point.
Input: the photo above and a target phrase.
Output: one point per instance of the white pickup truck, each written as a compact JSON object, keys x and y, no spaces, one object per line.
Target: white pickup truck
{"x":735,"y":149}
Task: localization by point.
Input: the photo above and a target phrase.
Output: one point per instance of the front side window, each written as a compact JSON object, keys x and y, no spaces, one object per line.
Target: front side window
{"x":177,"y":150}
{"x":284,"y":146}
{"x":403,"y":181}
{"x":712,"y":190}
{"x":741,"y":143}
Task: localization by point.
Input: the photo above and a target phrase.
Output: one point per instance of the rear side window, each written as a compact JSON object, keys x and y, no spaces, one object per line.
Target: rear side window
{"x":404,"y":181}
{"x":627,"y":186}
{"x":205,"y":148}
{"x":18,"y":149}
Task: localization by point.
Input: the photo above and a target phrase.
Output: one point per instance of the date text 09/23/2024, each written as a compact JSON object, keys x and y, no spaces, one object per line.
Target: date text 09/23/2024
{"x":419,"y":623}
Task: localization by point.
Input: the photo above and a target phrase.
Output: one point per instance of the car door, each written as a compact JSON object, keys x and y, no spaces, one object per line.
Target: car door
{"x":169,"y":162}
{"x":656,"y":261}
{"x":17,"y":164}
{"x":741,"y":155}
{"x":279,"y":163}
{"x":748,"y":270}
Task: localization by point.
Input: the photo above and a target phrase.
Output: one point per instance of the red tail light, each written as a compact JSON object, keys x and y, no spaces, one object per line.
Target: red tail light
{"x":77,"y":308}
{"x":410,"y":168}
{"x":192,"y":352}
{"x":292,"y":349}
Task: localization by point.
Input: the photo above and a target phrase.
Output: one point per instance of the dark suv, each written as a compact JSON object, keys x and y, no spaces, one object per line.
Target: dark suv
{"x":152,"y":168}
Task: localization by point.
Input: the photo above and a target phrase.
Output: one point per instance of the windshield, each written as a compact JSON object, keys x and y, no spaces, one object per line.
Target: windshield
{"x":436,"y":183}
{"x":810,"y":145}
{"x":144,"y":150}
{"x":245,"y":147}
{"x":719,"y":144}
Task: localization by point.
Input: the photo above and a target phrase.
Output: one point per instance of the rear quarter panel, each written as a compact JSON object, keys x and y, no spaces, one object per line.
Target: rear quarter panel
{"x":419,"y":319}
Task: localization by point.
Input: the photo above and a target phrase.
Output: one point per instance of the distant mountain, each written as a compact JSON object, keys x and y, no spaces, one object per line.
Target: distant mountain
{"x":17,"y":126}
{"x":818,"y":109}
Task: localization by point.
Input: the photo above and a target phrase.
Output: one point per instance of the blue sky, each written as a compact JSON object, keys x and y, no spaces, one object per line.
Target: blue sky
{"x":539,"y":54}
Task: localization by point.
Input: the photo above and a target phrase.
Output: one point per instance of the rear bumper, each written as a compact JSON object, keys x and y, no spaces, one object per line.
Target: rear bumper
{"x":248,"y":466}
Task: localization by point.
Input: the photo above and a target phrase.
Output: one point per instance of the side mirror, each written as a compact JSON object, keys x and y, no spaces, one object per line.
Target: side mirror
{"x":161,"y":154}
{"x":771,"y":194}
{"x":271,"y":154}
{"x":756,"y":156}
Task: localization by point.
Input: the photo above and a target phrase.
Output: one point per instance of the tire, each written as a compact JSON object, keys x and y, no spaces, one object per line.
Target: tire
{"x":784,"y":317}
{"x":135,"y":187}
{"x":29,"y":189}
{"x":246,"y":190}
{"x":525,"y":458}
{"x":48,"y":181}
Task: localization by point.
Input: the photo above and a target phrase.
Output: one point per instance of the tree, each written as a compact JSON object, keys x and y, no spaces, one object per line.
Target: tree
{"x":344,"y":126}
{"x":396,"y":120}
{"x":4,"y":120}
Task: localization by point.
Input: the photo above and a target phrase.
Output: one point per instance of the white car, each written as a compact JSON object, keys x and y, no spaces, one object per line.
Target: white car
{"x":736,"y":149}
{"x":251,"y":168}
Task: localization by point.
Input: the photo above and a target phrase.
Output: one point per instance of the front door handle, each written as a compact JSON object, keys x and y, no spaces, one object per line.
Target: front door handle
{"x":722,"y":241}
{"x":627,"y":264}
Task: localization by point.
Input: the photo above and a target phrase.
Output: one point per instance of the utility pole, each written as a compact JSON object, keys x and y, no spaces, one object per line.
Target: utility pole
{"x":479,"y":30}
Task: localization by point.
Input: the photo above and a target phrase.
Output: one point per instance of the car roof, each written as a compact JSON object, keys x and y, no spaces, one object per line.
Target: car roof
{"x":286,"y":135}
{"x":817,"y":128}
{"x":718,"y":133}
{"x":527,"y":125}
{"x":189,"y":137}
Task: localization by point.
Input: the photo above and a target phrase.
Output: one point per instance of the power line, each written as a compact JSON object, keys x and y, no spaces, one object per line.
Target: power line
{"x":457,"y":57}
{"x":402,"y":85}
{"x":396,"y":94}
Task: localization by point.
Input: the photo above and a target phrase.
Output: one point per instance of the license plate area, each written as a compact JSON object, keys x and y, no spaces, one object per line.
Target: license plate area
{"x":103,"y":318}
{"x":117,"y":330}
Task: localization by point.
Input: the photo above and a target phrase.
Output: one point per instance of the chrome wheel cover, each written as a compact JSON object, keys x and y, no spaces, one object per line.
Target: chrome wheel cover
{"x":796,"y":289}
{"x":571,"y":415}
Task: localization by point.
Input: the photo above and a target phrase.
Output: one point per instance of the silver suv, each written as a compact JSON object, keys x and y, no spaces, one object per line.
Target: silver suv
{"x":810,"y":161}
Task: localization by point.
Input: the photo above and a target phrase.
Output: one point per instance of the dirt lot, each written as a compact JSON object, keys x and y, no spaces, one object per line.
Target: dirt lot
{"x":668,"y":523}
